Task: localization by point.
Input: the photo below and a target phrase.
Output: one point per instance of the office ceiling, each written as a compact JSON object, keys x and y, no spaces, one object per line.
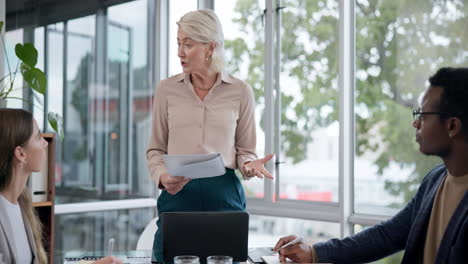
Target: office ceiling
{"x":13,"y":6}
{"x":20,"y":13}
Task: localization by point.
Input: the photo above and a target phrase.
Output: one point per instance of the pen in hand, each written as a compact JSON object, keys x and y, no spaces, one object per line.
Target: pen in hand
{"x":110,"y":246}
{"x":290,"y":243}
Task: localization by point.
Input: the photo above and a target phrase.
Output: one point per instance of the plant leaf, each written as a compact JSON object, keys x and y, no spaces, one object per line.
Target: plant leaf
{"x":24,"y":68}
{"x":27,"y":54}
{"x":1,"y":25}
{"x":35,"y":78}
{"x":56,"y":122}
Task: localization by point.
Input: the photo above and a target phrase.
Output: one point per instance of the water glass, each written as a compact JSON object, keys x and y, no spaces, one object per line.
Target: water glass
{"x":219,"y":260}
{"x":186,"y":260}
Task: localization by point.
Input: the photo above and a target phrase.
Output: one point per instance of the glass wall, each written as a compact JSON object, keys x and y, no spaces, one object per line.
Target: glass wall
{"x":91,"y":231}
{"x":38,"y":98}
{"x":398,"y":45}
{"x":106,"y":126}
{"x":244,"y":45}
{"x":265,"y":231}
{"x":54,"y":68}
{"x":97,"y":67}
{"x":130,"y":99}
{"x":76,"y":166}
{"x":10,"y":66}
{"x":177,"y":8}
{"x":309,"y":101}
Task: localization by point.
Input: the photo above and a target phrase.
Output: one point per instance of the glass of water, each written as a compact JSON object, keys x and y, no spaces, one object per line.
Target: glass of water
{"x":219,"y":260}
{"x":186,"y":260}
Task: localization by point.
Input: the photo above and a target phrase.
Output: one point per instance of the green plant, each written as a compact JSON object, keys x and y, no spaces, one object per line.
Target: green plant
{"x":32,"y":76}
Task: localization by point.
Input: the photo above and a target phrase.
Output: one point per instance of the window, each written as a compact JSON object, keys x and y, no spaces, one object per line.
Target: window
{"x":76,"y":166}
{"x":177,"y":8}
{"x":54,"y":68}
{"x":98,"y":70}
{"x":107,"y":125}
{"x":38,"y":99}
{"x":244,"y":60}
{"x":309,"y":101}
{"x":391,"y":67}
{"x":91,"y":231}
{"x":9,"y":66}
{"x":265,"y":231}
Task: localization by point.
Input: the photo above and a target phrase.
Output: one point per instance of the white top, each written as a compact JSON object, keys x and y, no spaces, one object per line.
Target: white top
{"x":23,"y":250}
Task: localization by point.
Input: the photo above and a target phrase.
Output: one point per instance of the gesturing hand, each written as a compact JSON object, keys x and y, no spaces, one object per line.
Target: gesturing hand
{"x":299,"y":253}
{"x":257,"y":167}
{"x":173,"y":184}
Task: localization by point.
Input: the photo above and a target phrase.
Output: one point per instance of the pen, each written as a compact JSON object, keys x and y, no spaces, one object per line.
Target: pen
{"x":110,"y":246}
{"x":290,"y":243}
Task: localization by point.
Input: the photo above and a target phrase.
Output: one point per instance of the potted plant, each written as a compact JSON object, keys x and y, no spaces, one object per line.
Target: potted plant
{"x":33,"y":77}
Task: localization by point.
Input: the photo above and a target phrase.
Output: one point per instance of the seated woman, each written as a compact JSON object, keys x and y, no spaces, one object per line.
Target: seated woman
{"x":22,"y":151}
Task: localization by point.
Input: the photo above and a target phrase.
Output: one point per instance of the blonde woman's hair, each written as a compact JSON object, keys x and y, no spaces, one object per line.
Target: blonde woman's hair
{"x":16,"y":127}
{"x":204,"y":26}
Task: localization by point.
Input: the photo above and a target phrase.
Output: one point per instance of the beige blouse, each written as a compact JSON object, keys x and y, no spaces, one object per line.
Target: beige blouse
{"x":223,"y":122}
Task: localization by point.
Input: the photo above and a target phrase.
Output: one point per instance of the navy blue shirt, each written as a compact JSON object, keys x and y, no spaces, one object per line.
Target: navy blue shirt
{"x":405,"y":231}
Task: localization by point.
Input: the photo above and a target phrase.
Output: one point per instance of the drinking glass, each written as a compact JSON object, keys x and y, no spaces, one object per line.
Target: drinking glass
{"x":186,"y":260}
{"x":219,"y":260}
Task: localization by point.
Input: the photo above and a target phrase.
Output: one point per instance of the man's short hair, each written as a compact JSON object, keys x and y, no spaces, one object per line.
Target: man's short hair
{"x":454,"y":98}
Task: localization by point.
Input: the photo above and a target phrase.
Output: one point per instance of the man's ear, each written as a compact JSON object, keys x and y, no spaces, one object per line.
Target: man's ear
{"x":20,"y":154}
{"x":454,"y":127}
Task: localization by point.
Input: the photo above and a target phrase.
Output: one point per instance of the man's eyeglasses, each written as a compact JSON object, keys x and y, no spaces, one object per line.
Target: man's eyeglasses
{"x":417,"y":114}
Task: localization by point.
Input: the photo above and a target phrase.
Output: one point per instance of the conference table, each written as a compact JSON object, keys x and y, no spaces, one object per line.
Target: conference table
{"x":128,"y":257}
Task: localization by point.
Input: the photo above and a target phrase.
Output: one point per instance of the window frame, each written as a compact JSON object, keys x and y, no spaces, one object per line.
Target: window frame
{"x":341,"y":212}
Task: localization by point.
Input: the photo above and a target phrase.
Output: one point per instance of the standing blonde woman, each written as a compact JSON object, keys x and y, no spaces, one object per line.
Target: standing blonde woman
{"x":22,"y":151}
{"x":203,"y":110}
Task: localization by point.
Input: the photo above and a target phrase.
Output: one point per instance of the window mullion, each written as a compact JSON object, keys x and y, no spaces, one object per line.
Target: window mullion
{"x":277,"y":98}
{"x":269,"y":100}
{"x":206,"y":4}
{"x":346,"y":86}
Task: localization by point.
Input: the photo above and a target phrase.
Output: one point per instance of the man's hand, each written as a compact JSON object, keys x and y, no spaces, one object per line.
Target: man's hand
{"x":257,"y":167}
{"x":109,"y":260}
{"x":299,"y":253}
{"x":173,"y":184}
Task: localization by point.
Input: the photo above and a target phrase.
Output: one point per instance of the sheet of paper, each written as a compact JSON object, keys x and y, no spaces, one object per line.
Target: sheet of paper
{"x":274,"y":259}
{"x":195,"y":166}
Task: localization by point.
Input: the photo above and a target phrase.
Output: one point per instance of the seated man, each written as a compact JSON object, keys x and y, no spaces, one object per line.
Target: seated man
{"x":433,"y":226}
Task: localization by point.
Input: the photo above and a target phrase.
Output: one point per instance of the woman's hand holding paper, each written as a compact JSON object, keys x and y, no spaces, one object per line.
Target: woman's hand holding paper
{"x":173,"y":184}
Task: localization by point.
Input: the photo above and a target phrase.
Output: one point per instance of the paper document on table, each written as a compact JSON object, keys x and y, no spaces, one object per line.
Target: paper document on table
{"x":195,"y":166}
{"x":274,"y":259}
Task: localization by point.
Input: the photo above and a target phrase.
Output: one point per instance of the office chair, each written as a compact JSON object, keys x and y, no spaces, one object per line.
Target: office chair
{"x":145,"y":241}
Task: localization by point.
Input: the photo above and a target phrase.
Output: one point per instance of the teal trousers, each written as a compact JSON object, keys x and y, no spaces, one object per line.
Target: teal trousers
{"x":214,"y":194}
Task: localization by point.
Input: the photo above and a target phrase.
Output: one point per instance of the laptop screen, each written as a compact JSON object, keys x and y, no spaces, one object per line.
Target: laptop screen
{"x":205,"y":234}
